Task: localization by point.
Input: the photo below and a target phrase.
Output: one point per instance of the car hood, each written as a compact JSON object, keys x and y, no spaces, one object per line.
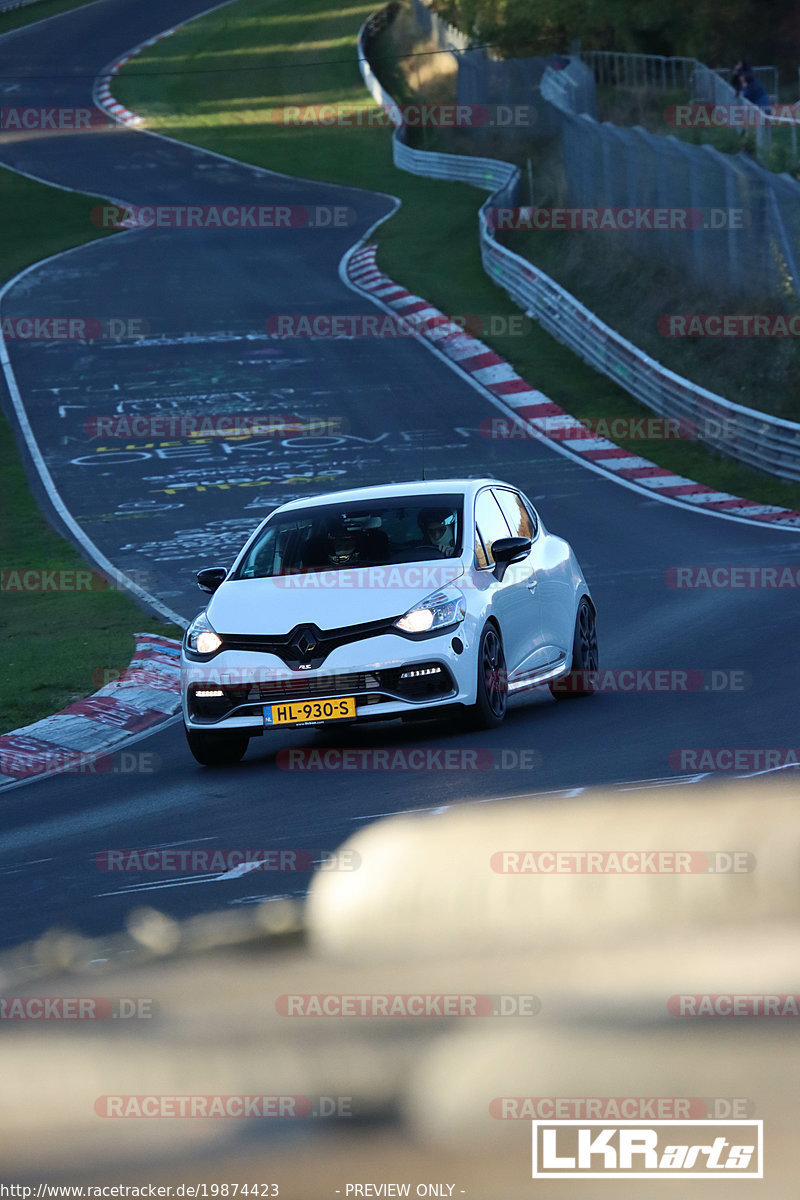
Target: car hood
{"x":327,"y":599}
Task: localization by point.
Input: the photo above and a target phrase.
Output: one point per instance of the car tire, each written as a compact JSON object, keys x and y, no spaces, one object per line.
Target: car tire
{"x":490,"y":706}
{"x":585,"y":658}
{"x":216,"y":749}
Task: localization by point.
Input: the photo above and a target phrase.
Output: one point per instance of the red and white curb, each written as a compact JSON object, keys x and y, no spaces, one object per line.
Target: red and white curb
{"x":145,"y":694}
{"x":537,"y":412}
{"x":102,"y":92}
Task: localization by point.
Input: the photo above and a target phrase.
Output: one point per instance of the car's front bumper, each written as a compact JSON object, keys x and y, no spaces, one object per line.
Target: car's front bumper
{"x":371,"y":671}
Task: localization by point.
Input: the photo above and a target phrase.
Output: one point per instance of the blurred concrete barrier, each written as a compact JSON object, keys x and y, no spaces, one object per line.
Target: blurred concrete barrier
{"x":517,"y":877}
{"x":439,"y":1007}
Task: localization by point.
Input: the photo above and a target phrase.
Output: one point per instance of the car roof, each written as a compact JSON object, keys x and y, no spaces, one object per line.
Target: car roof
{"x":416,"y":487}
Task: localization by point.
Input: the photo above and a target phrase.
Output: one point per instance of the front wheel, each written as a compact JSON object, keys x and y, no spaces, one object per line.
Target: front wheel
{"x":216,"y":749}
{"x":585,"y":658}
{"x":489,"y":708}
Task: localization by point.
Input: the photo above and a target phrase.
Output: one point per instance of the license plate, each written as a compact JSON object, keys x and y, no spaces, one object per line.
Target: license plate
{"x":301,"y":712}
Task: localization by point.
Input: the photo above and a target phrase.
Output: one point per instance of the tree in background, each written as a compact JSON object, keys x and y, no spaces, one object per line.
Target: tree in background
{"x":715,"y":34}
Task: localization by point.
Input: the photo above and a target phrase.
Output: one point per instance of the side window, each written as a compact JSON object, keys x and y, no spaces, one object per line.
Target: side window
{"x":531,"y":511}
{"x":480,"y":553}
{"x":516,"y":513}
{"x":490,"y":521}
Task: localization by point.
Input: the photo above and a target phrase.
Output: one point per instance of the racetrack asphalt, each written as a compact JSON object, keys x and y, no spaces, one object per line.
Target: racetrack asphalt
{"x":160,"y":508}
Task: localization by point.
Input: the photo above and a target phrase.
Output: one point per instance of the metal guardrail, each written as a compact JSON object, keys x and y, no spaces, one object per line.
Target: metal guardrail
{"x":709,"y":87}
{"x":706,"y":85}
{"x":757,"y":439}
{"x":661,"y":73}
{"x":639,"y":70}
{"x":752,"y":437}
{"x":500,"y":178}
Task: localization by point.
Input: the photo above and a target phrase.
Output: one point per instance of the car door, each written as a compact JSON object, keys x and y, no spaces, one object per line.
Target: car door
{"x":514,"y":604}
{"x":547,"y":580}
{"x":522,"y":522}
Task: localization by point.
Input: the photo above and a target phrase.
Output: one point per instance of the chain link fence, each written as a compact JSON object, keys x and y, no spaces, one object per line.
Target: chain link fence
{"x":482,"y":80}
{"x":744,"y":434}
{"x":740,"y":227}
{"x":734,"y":224}
{"x":651,"y":71}
{"x":657,"y":73}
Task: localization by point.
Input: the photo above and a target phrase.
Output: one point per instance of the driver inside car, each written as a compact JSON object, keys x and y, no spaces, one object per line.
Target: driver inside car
{"x":438,"y":526}
{"x":341,"y":547}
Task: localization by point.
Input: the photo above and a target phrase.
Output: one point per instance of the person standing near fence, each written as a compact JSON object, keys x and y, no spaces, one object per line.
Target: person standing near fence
{"x":748,"y":87}
{"x":753,"y":91}
{"x":742,"y":67}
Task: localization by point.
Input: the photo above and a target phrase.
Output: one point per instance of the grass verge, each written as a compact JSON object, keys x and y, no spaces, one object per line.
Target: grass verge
{"x":218,"y":82}
{"x":18,"y":17}
{"x":56,"y":645}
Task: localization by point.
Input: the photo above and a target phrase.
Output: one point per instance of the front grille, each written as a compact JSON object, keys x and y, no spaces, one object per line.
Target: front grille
{"x":364,"y":684}
{"x":305,"y":646}
{"x":302,"y":688}
{"x":370,"y":687}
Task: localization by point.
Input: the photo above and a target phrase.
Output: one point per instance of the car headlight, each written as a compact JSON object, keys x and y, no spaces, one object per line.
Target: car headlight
{"x":202,"y":637}
{"x":440,"y":610}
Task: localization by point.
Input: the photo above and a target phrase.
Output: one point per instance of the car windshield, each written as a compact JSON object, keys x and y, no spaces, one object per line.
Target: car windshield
{"x":366,"y":533}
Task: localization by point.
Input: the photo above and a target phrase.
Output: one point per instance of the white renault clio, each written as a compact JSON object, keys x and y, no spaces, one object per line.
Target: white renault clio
{"x":385,"y":602}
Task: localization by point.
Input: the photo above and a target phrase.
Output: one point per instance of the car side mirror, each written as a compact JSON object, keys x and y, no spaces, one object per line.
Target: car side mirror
{"x":509,"y":550}
{"x":209,"y":579}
